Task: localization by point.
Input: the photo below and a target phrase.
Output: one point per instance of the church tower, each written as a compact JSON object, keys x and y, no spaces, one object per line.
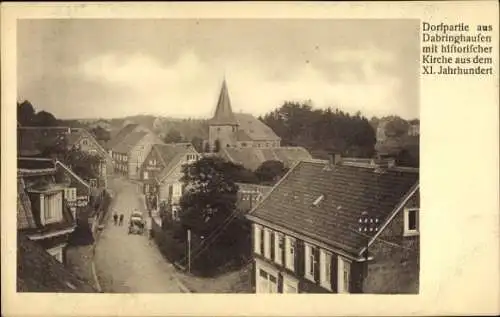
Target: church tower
{"x":223,"y":127}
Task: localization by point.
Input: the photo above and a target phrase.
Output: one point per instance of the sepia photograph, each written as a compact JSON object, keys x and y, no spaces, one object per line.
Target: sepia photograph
{"x":218,"y":156}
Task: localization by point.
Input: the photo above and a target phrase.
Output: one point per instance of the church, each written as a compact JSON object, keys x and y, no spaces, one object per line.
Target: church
{"x":238,"y":130}
{"x":243,"y":139}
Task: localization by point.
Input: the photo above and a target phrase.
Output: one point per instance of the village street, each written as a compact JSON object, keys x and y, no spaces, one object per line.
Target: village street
{"x":131,"y":263}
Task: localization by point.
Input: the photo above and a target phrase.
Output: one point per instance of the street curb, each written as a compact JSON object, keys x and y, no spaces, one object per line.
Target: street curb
{"x":96,"y":279}
{"x":179,"y":282}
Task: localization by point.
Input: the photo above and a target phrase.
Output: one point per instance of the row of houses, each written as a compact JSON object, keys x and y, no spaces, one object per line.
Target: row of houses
{"x":51,"y":199}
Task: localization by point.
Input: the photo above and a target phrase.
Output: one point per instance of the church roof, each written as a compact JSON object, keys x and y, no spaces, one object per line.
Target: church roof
{"x":252,"y":158}
{"x":223,"y":113}
{"x":252,"y":129}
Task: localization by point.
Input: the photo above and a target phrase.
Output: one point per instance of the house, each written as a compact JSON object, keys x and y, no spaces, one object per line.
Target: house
{"x":33,"y":140}
{"x":312,"y":231}
{"x":161,"y":173}
{"x":76,"y":192}
{"x":38,"y":271}
{"x":243,"y":139}
{"x":129,"y":154}
{"x":42,"y":214}
{"x":122,"y":133}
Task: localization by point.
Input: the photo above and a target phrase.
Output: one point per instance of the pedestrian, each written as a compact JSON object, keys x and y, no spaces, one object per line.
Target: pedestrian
{"x":121,"y":219}
{"x":115,"y":218}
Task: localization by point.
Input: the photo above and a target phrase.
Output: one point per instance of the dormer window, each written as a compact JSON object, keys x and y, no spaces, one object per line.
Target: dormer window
{"x":411,"y":222}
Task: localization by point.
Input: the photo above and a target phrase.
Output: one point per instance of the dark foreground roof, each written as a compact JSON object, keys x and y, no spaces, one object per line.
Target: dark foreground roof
{"x":325,"y":202}
{"x":38,"y":271}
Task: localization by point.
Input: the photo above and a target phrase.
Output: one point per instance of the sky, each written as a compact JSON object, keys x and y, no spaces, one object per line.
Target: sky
{"x":89,"y":68}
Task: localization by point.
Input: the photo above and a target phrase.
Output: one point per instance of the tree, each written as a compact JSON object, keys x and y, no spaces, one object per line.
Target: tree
{"x":210,"y":197}
{"x":101,"y":134}
{"x":25,"y":113}
{"x":173,"y":136}
{"x":45,"y":119}
{"x":84,"y":164}
{"x":270,"y":171}
{"x":197,"y":143}
{"x":396,"y":127}
{"x":318,"y":130}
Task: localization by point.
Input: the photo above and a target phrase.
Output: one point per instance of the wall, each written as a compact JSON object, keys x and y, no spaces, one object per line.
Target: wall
{"x":138,"y":154}
{"x":153,"y":171}
{"x":395,"y":269}
{"x":224,"y":134}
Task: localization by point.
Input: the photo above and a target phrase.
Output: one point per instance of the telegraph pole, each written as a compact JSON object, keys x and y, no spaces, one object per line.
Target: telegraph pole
{"x":189,"y":249}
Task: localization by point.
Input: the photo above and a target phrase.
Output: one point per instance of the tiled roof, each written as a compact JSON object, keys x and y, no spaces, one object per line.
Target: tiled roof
{"x":129,"y":142}
{"x":254,"y":129}
{"x":126,"y":130}
{"x":30,"y":163}
{"x":346,"y":192}
{"x":223,"y":112}
{"x":30,"y":139}
{"x":25,"y":218}
{"x":38,"y":271}
{"x":171,"y":155}
{"x":252,"y":158}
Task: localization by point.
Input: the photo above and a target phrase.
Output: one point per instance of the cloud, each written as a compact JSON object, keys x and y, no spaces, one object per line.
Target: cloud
{"x":189,"y":87}
{"x":353,"y":64}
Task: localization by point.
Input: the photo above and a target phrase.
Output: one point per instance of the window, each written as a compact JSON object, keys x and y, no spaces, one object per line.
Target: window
{"x":56,"y":253}
{"x":267,"y":243}
{"x":344,"y":275}
{"x":267,"y":282}
{"x":411,"y":221}
{"x":311,"y":262}
{"x":290,"y":253}
{"x":278,"y":247}
{"x":325,"y":260}
{"x":85,"y":142}
{"x":51,"y":207}
{"x":70,"y":194}
{"x":257,"y":236}
{"x":146,"y":175}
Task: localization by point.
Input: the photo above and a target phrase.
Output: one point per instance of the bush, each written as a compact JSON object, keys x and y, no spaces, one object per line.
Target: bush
{"x":82,"y":235}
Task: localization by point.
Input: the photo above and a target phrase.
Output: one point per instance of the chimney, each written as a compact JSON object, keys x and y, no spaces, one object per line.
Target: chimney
{"x":335,"y":158}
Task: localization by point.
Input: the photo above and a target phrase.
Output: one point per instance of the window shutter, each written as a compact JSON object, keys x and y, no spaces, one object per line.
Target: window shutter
{"x":262,"y":240}
{"x":334,"y":273}
{"x":280,"y":283}
{"x":284,"y":252}
{"x":316,"y":264}
{"x":272,"y":237}
{"x":299,"y":257}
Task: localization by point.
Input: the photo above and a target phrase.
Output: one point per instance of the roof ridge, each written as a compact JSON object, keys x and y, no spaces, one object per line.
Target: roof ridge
{"x":73,"y":173}
{"x":264,"y":198}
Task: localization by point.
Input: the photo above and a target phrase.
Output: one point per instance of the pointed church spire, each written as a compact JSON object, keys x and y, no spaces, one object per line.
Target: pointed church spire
{"x":223,"y":113}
